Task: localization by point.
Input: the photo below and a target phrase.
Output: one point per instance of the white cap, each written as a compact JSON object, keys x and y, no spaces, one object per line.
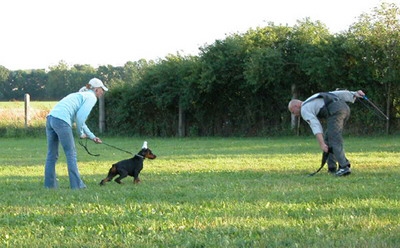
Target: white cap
{"x":96,"y":83}
{"x":144,"y":145}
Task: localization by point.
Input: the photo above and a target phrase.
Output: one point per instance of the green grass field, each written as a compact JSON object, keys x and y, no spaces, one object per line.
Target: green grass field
{"x":206,"y":192}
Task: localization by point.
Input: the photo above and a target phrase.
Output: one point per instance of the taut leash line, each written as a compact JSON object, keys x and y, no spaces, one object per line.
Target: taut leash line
{"x":374,"y":108}
{"x":122,"y":150}
{"x":85,"y":146}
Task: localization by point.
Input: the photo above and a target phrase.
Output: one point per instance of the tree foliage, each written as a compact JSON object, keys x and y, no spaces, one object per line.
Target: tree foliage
{"x":239,"y":85}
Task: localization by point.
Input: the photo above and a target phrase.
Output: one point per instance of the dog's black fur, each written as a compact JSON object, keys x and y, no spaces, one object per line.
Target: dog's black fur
{"x":129,"y":167}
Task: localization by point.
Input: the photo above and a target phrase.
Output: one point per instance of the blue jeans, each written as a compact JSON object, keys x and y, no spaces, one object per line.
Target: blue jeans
{"x":58,"y":131}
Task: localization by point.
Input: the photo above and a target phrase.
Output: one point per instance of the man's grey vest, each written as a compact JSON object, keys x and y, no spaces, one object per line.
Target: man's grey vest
{"x":329,"y":98}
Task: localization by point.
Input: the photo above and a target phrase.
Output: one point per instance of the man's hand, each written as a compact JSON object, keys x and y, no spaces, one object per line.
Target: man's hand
{"x":321,"y":142}
{"x":360,"y":94}
{"x":324,"y":148}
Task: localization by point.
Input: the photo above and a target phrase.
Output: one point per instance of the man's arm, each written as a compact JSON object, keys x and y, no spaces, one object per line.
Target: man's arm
{"x":321,"y":142}
{"x":348,"y":96}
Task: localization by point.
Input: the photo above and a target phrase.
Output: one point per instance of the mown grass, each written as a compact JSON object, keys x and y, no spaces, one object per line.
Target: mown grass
{"x":205,"y":192}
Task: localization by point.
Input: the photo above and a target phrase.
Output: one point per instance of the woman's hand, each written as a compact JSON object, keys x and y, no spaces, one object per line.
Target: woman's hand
{"x":97,"y":140}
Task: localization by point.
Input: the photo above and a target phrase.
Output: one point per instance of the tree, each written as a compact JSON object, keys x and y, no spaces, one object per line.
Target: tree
{"x":4,"y":74}
{"x":63,"y":79}
{"x":313,"y":56}
{"x":221,"y":86}
{"x":374,"y":40}
{"x":266,"y":73}
{"x":59,"y":80}
{"x":133,"y":71}
{"x":169,"y":84}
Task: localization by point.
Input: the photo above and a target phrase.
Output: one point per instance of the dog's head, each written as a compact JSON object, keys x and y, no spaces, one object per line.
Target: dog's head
{"x":146,"y":152}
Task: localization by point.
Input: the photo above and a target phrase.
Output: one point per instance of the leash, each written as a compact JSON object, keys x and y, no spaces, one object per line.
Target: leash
{"x":371,"y":106}
{"x":325,"y":156}
{"x":85,"y":146}
{"x":122,"y":150}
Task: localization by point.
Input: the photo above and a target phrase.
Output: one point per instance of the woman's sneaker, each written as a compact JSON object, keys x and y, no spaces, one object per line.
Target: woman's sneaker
{"x":343,"y":172}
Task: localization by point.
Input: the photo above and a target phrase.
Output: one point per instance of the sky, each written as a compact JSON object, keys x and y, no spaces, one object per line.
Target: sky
{"x":37,"y":34}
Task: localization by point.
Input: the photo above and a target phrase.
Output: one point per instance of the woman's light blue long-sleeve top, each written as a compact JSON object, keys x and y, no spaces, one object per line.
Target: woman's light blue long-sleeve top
{"x":76,"y":107}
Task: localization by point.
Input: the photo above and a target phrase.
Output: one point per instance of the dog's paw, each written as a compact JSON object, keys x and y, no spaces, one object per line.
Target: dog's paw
{"x":136,"y":181}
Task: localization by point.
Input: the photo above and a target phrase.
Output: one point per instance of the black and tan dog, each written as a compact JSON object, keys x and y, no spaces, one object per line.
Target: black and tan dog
{"x":129,"y":167}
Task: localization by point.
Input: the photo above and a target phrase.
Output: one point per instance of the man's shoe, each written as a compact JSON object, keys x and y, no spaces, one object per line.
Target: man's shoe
{"x":332,"y":170}
{"x":343,"y":172}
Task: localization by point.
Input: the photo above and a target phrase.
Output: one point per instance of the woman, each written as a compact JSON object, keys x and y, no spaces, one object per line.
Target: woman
{"x":75,"y":107}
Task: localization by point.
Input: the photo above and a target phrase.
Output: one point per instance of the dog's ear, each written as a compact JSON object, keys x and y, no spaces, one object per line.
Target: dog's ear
{"x":144,"y":145}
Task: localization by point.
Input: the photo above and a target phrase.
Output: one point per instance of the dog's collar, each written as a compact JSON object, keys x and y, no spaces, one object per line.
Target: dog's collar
{"x":140,"y":156}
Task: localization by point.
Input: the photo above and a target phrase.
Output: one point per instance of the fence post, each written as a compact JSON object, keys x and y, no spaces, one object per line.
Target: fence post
{"x":27,"y":100}
{"x":181,"y":121}
{"x":102,"y":115}
{"x":295,"y":121}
